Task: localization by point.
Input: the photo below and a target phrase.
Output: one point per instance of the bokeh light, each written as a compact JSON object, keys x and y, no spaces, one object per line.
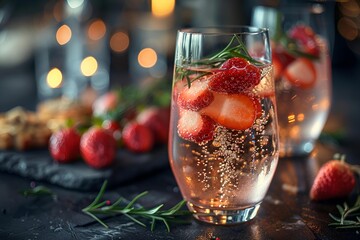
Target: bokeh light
{"x":54,"y":78}
{"x":350,"y":8}
{"x":347,"y":28}
{"x":75,"y":3}
{"x":162,"y":8}
{"x":89,"y":66}
{"x":63,"y":34}
{"x":147,"y":57}
{"x":97,"y":29}
{"x":119,"y":42}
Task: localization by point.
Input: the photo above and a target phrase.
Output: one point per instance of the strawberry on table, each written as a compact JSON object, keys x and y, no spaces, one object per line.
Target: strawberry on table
{"x":157,"y":120}
{"x":137,"y":137}
{"x":113,"y":127}
{"x":64,"y":145}
{"x":234,"y":111}
{"x":301,"y":73}
{"x":98,"y":147}
{"x":335,"y":179}
{"x":105,"y":103}
{"x":235,"y":79}
{"x":194,"y":127}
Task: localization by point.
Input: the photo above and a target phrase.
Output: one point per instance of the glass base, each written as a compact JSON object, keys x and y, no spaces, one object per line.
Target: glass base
{"x":223,"y":217}
{"x":289,"y":149}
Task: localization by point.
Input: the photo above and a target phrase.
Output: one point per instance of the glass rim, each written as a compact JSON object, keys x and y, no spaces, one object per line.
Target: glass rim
{"x":225,"y":30}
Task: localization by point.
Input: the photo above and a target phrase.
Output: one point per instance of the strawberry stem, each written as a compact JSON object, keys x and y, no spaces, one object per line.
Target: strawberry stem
{"x":342,"y":158}
{"x":355,"y":169}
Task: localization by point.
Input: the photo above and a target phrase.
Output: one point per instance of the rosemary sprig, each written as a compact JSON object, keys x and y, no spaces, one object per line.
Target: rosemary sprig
{"x":349,"y":216}
{"x":37,"y":191}
{"x":133,"y":212}
{"x":217,"y":59}
{"x":293,"y":48}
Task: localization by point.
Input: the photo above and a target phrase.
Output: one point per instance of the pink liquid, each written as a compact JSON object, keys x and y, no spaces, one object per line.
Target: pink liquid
{"x":302,"y":113}
{"x":234,"y":169}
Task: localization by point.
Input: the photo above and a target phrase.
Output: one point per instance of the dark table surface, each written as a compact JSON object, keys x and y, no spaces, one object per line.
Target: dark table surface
{"x":286,"y":212}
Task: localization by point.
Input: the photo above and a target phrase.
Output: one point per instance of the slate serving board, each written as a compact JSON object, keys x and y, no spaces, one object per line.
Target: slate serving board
{"x":38,"y":165}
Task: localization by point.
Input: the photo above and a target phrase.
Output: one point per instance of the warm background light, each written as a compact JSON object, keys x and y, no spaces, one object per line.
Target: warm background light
{"x":97,"y":30}
{"x":350,"y":8}
{"x":119,"y":42}
{"x":348,"y":24}
{"x":89,"y":66}
{"x":58,"y":11}
{"x":54,"y":78}
{"x":147,"y":58}
{"x":63,"y":34}
{"x":162,"y":8}
{"x":347,"y":28}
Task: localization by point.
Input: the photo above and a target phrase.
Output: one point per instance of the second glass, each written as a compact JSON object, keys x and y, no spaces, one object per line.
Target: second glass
{"x":302,"y":73}
{"x":223,"y":144}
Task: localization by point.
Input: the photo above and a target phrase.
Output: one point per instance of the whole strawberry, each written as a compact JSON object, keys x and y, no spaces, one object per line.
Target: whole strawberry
{"x":157,"y":120}
{"x":137,"y":137}
{"x":335,"y":179}
{"x":105,"y":103}
{"x":113,"y":127}
{"x":98,"y":147}
{"x":64,"y":145}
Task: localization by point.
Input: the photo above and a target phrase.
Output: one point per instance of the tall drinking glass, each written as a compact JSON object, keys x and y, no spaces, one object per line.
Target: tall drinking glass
{"x":223,"y":144}
{"x":302,"y":72}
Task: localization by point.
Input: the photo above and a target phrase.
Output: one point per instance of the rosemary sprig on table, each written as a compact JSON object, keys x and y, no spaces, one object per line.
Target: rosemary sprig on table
{"x":174,"y":214}
{"x":37,"y":191}
{"x":217,"y":59}
{"x":349,"y":216}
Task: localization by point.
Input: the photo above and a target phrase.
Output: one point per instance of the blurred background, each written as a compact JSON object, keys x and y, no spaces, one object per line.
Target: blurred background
{"x":64,"y":47}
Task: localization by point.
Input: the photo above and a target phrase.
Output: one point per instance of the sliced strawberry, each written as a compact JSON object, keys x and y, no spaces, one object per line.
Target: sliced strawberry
{"x":193,"y":126}
{"x":235,"y":80}
{"x":234,"y":111}
{"x":280,"y":60}
{"x":234,"y":62}
{"x":301,"y":73}
{"x":195,"y":97}
{"x":305,"y":37}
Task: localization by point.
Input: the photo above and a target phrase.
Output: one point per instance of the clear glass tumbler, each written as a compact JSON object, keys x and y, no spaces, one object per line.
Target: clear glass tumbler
{"x":302,"y":71}
{"x":223,"y":145}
